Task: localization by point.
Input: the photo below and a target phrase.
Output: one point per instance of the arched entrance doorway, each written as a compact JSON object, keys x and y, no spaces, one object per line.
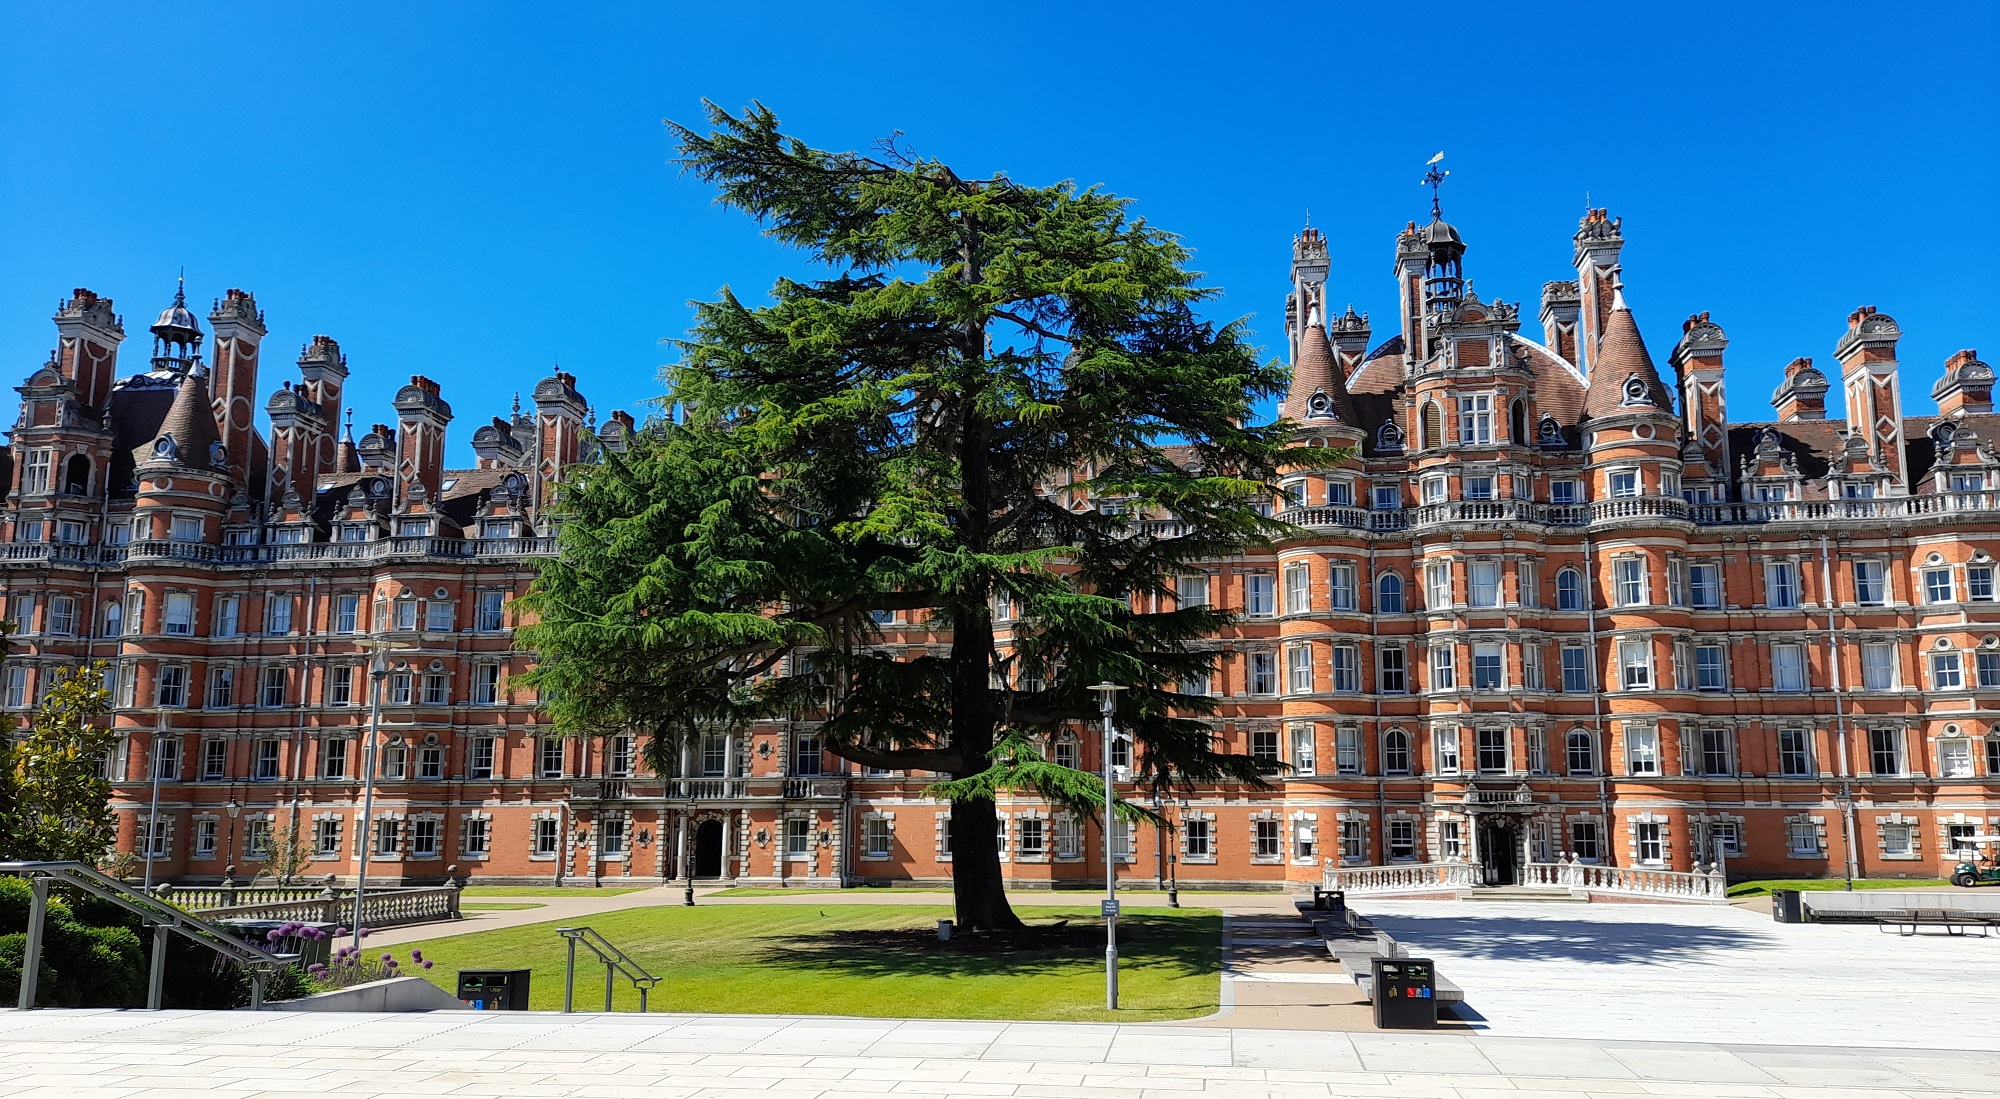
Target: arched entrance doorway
{"x":708,"y":849}
{"x":1500,"y":850}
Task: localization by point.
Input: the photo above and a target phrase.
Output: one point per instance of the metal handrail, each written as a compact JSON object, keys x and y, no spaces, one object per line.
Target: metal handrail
{"x":617,"y":963}
{"x":166,"y":919}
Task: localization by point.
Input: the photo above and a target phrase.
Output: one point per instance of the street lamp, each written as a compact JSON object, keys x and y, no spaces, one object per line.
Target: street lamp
{"x":378,"y":675}
{"x":1108,"y":705}
{"x":153,"y":814}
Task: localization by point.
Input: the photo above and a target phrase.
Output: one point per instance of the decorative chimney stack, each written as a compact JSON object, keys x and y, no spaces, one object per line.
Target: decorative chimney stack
{"x":1867,"y":356}
{"x":239,"y":334}
{"x":421,"y":418}
{"x":89,"y":332}
{"x":1967,"y":385}
{"x":1599,"y":238}
{"x":1697,"y":360}
{"x":1802,"y":395}
{"x":1561,"y":308}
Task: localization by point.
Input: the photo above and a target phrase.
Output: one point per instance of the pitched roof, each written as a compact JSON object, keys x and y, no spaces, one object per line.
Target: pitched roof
{"x":1315,"y":372}
{"x":1621,"y":354}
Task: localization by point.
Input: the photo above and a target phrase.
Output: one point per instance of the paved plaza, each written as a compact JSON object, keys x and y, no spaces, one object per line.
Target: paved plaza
{"x":273,"y":1055}
{"x":1686,"y":973}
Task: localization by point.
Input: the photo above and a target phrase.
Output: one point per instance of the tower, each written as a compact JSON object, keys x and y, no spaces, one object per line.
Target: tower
{"x":1309,"y":269}
{"x":239,"y":334}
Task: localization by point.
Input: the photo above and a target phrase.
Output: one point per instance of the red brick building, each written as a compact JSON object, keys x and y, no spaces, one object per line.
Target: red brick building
{"x":1552,"y":603}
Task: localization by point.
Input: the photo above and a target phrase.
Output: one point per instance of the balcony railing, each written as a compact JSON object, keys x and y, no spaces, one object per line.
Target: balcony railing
{"x":161,"y":549}
{"x":702,"y":789}
{"x":797,"y":789}
{"x":1415,"y":877}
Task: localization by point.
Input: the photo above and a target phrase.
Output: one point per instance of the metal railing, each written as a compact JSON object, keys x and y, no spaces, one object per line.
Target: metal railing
{"x":616,"y":964}
{"x":161,"y":549}
{"x":167,"y":920}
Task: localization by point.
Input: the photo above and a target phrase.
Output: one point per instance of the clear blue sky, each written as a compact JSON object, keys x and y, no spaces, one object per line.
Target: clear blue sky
{"x":474,"y":191}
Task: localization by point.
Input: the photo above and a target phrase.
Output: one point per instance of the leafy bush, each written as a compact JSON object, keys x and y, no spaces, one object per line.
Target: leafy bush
{"x":95,"y":954}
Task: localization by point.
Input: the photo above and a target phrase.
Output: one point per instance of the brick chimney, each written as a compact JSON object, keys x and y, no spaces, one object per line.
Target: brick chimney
{"x":1967,"y":385}
{"x":1802,"y":395}
{"x":421,"y":418}
{"x":1867,"y":355}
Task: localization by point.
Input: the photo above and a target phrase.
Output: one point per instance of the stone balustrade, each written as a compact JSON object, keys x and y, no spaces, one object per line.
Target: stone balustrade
{"x":379,"y":908}
{"x":1414,"y":877}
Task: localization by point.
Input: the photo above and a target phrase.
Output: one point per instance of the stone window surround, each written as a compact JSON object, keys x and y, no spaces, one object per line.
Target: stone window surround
{"x":889,"y":825}
{"x":1818,"y":821}
{"x":1632,"y":824}
{"x":1908,"y":820}
{"x":1342,"y":818}
{"x":336,"y":854}
{"x":545,"y":814}
{"x":1208,"y":818}
{"x":1273,"y":816}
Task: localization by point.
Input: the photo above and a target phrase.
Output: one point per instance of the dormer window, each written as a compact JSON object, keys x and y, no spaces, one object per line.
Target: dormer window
{"x":1635,"y":391}
{"x":1319,"y":406}
{"x":166,"y":450}
{"x":1551,"y":432}
{"x":1965,"y":482}
{"x":354,"y":532}
{"x":1389,"y":439}
{"x":497,"y":528}
{"x":413,"y":528}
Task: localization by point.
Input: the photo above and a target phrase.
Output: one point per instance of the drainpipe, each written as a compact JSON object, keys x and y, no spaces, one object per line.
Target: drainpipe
{"x":1606,"y":848}
{"x":1839,"y":714}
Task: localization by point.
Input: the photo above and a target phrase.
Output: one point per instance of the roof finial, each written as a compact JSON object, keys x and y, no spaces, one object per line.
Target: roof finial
{"x":180,"y":287}
{"x":350,"y":423}
{"x":1309,"y":217}
{"x":517,"y":403}
{"x":1435,"y":177}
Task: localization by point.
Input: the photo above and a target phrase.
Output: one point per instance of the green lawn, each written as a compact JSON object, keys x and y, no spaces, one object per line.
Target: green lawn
{"x":549,"y":890}
{"x":1764,"y":888}
{"x":836,"y":960}
{"x":496,"y":906}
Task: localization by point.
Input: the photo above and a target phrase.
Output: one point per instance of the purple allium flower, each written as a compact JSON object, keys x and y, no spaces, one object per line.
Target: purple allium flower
{"x":273,"y":935}
{"x":427,"y":965}
{"x":416,"y":955}
{"x":340,"y":932}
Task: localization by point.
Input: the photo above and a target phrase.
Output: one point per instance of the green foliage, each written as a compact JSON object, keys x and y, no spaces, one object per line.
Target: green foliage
{"x":916,"y":433}
{"x":61,"y":800}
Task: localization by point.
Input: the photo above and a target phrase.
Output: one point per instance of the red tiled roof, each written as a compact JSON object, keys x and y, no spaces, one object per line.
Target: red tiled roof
{"x":1621,"y":353}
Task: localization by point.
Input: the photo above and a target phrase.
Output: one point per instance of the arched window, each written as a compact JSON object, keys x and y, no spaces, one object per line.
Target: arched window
{"x":76,"y":475}
{"x":1517,"y":423}
{"x":1065,"y":752}
{"x":1433,"y":426}
{"x":1395,"y":752}
{"x":1569,"y":590}
{"x":1389,"y":593}
{"x":114,"y":618}
{"x":1582,"y":753}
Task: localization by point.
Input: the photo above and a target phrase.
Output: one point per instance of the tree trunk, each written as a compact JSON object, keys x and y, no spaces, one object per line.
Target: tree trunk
{"x":978,"y":890}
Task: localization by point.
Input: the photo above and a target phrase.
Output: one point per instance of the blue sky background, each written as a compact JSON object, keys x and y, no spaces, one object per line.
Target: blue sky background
{"x":476,"y":191}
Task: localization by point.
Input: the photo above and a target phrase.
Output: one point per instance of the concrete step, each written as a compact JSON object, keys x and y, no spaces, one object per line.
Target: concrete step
{"x":1530,"y":893}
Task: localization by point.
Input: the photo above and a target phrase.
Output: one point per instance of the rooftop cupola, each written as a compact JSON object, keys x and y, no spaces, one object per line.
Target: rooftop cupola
{"x":177,"y":335}
{"x":1444,"y":270}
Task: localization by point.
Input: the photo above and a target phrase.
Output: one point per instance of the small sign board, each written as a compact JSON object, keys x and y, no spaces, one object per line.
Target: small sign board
{"x":1107,"y":909}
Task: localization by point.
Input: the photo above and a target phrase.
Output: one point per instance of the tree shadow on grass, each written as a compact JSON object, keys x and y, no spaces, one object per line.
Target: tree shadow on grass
{"x":1189,"y":946}
{"x":1587,"y":941}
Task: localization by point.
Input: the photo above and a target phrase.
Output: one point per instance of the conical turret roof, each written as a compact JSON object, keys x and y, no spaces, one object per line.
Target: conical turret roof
{"x":188,"y":433}
{"x":1318,"y":393}
{"x":1620,"y":359}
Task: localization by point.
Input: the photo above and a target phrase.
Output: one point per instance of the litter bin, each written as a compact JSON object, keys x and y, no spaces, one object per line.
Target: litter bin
{"x":1405,"y":993}
{"x":494,"y":989}
{"x":1786,"y":907}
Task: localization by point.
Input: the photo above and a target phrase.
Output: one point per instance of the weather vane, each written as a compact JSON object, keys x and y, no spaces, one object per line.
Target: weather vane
{"x":1435,"y":177}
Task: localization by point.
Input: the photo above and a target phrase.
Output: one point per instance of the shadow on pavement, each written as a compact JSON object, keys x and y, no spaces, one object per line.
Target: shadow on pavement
{"x":1587,"y":941}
